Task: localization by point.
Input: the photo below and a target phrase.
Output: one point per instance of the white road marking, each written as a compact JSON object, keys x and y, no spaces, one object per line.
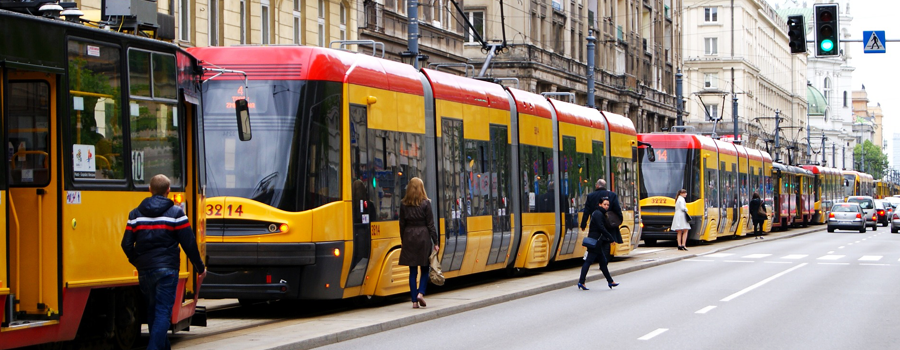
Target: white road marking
{"x":740,"y":261}
{"x":756,"y":256}
{"x":778,"y":262}
{"x":875,"y":264}
{"x":705,"y":310}
{"x":718,"y":255}
{"x":870,"y":258}
{"x":841,"y":247}
{"x":700,"y":260}
{"x":760,"y":283}
{"x":795,"y":256}
{"x":857,"y":242}
{"x":650,"y":335}
{"x":830,"y":252}
{"x":834,"y":263}
{"x":830,"y":257}
{"x":639,"y":252}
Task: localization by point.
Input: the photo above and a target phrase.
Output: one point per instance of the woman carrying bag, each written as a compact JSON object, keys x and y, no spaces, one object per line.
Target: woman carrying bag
{"x":598,"y":243}
{"x":758,"y":214}
{"x":417,"y":237}
{"x":680,"y":219}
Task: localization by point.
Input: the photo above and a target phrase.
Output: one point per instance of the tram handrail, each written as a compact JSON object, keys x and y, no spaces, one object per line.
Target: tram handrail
{"x":12,"y":164}
{"x":375,"y":45}
{"x":15,"y":218}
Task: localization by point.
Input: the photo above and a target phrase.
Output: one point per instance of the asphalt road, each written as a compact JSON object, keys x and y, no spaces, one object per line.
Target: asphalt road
{"x":816,"y":291}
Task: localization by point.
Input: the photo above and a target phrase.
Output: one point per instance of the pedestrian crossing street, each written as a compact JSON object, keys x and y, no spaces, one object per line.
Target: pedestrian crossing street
{"x":825,"y":259}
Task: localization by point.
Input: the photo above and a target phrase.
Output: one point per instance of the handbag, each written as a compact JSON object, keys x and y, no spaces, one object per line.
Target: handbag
{"x":688,"y":217}
{"x":589,"y":242}
{"x":434,"y":270}
{"x":761,"y":210}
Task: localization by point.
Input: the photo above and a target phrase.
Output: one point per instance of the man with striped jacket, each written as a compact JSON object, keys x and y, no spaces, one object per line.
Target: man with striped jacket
{"x":155,"y":229}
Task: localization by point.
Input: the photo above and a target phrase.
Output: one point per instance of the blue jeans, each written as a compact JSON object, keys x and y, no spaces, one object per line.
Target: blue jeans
{"x":159,"y":287}
{"x":413,"y":271}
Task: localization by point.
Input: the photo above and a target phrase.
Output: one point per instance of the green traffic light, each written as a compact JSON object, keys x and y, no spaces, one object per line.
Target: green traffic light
{"x":827,"y":45}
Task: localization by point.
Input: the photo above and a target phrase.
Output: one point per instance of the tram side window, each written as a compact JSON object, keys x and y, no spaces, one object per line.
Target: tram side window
{"x":29,"y":136}
{"x":155,"y":136}
{"x":712,"y":187}
{"x":476,"y":176}
{"x":452,"y":175}
{"x":95,"y":116}
{"x":570,"y":186}
{"x":622,"y":183}
{"x":323,"y":158}
{"x":597,"y":165}
{"x":536,"y":168}
{"x":412,"y":160}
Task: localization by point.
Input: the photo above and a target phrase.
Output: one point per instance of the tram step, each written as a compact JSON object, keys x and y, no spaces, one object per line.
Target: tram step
{"x":22,"y":324}
{"x":199,"y":318}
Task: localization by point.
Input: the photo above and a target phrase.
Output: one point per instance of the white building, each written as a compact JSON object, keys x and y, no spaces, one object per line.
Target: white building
{"x":767,"y":78}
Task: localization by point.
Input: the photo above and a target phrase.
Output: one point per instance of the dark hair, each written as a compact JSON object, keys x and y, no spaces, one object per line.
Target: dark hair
{"x":603,"y":199}
{"x":755,"y":195}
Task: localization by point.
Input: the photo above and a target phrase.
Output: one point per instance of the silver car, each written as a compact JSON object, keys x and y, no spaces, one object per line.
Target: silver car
{"x":867,"y":204}
{"x":847,"y":216}
{"x":895,"y":222}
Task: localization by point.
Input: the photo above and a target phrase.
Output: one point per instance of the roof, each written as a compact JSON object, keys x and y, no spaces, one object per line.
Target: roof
{"x":817,"y":103}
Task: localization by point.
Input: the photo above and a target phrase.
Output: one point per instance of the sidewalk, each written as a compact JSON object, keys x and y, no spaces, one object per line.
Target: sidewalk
{"x":305,"y":333}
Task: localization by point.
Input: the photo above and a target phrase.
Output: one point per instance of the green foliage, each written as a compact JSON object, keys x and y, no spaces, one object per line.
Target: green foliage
{"x":870,"y":159}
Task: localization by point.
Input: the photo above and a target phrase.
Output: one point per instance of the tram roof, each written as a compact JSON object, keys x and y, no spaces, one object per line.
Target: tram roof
{"x":741,"y":150}
{"x":818,"y":169}
{"x":450,"y":87}
{"x":578,"y":115}
{"x":619,"y":123}
{"x":755,"y":154}
{"x":790,"y":169}
{"x":726,"y":147}
{"x":678,"y":140}
{"x":312,"y":63}
{"x":531,"y":103}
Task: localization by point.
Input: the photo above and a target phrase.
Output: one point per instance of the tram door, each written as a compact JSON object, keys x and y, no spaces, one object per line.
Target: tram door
{"x":361,"y":204}
{"x":499,"y":169}
{"x":4,"y":276}
{"x":30,"y":99}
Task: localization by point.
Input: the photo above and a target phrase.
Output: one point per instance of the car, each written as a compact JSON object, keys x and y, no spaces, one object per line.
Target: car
{"x":895,"y":222}
{"x":848,"y":216}
{"x":884,"y":211}
{"x":867,"y":204}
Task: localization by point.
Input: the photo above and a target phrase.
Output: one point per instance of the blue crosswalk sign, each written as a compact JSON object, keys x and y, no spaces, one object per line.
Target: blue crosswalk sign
{"x":874,"y":40}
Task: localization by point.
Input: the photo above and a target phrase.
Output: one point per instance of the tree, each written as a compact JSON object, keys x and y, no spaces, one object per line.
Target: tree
{"x":869,"y":158}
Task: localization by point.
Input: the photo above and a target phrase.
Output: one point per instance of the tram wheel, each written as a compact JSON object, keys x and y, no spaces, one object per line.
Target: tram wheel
{"x":649,"y":242}
{"x":128,"y":325}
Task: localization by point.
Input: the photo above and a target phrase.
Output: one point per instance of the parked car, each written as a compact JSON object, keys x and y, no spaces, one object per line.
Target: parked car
{"x":885,"y":211}
{"x":895,"y":222}
{"x":867,"y":204}
{"x":848,"y":216}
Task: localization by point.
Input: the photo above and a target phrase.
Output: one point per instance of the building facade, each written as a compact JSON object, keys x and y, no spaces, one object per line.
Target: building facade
{"x":744,"y":48}
{"x":638,"y":51}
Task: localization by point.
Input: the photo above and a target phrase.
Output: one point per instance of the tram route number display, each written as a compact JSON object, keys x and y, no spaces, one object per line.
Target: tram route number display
{"x":137,"y":165}
{"x":227,"y":210}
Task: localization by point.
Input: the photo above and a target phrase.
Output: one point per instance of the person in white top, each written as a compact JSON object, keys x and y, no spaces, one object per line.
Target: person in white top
{"x":679,"y":219}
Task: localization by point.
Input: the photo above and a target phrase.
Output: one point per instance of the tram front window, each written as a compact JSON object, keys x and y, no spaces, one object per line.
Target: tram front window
{"x":672,"y":170}
{"x":293,"y":160}
{"x":849,"y":184}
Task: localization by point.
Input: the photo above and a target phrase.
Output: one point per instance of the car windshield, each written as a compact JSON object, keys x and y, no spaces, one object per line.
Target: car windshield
{"x":845,"y":208}
{"x":863,"y":203}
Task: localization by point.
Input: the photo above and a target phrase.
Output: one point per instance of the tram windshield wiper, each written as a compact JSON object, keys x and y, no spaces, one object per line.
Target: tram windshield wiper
{"x":264,"y":188}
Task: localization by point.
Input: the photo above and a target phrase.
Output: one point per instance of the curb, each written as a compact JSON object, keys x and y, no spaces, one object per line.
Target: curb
{"x":333,"y":338}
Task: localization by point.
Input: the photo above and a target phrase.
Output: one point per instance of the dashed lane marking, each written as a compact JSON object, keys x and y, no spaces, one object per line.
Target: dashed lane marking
{"x":756,"y":256}
{"x":778,"y":262}
{"x":794,"y":256}
{"x":705,"y":310}
{"x":834,"y":263}
{"x":740,"y":261}
{"x":830,"y":257}
{"x":650,"y":335}
{"x":718,"y":255}
{"x":700,"y":260}
{"x":875,"y":264}
{"x":870,"y":258}
{"x":761,"y":283}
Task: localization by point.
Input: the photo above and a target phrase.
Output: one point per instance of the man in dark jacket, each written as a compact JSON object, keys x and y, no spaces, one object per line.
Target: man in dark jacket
{"x":593,"y":201}
{"x":155,"y":229}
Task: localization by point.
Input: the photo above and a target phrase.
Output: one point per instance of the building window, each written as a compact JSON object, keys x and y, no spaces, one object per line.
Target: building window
{"x":477,"y":20}
{"x":343,"y":22}
{"x":712,"y":111}
{"x":436,"y":8}
{"x":401,"y":7}
{"x":322,"y":23}
{"x":264,"y":20}
{"x":827,"y":90}
{"x":711,"y":46}
{"x":711,"y":14}
{"x":710,"y":80}
{"x":298,"y":32}
{"x":213,"y":22}
{"x":184,"y":19}
{"x":243,"y":15}
{"x":845,"y":98}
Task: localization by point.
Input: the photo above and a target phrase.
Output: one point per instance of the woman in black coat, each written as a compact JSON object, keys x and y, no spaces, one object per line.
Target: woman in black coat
{"x":598,"y":229}
{"x":417,"y":238}
{"x":758,"y":218}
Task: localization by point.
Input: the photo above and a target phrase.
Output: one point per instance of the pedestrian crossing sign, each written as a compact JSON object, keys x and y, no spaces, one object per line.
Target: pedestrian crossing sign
{"x":874,"y":40}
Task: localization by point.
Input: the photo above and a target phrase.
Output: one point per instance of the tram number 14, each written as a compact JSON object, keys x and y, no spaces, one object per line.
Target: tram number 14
{"x":218,"y":210}
{"x":662,"y":155}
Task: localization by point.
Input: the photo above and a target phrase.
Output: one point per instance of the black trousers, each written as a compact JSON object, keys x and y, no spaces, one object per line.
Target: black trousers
{"x":758,"y":226}
{"x":602,"y":257}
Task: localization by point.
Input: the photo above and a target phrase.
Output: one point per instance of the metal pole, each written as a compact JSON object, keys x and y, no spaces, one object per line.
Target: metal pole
{"x":734,"y":100}
{"x":590,"y":62}
{"x":679,"y":98}
{"x":823,"y":147}
{"x":413,"y":39}
{"x":777,"y":145}
{"x":833,"y":159}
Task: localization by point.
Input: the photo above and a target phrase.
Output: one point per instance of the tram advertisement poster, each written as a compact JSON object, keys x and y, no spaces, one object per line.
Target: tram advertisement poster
{"x":83,"y":162}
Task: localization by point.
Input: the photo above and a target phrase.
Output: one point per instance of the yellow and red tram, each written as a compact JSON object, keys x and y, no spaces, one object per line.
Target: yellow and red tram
{"x":857,"y":184}
{"x":342,"y":134}
{"x":826,"y":190}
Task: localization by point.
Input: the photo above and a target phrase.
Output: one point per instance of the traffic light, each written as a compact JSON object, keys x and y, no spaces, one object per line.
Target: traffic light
{"x":797,"y":33}
{"x":827,"y":28}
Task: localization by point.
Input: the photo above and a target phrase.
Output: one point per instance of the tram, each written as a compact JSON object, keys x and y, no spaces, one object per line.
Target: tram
{"x":858,"y":184}
{"x":308,"y":209}
{"x":826,"y":190}
{"x":719,"y":177}
{"x":89,"y":116}
{"x":793,"y":196}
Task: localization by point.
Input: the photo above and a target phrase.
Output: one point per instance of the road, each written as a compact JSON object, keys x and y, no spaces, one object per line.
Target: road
{"x":816,"y":291}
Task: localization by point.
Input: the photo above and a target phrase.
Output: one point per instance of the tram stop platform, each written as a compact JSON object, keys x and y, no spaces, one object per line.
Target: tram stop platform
{"x":259,"y":332}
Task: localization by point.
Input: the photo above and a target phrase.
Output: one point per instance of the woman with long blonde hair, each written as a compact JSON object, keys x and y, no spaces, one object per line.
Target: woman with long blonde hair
{"x":417,"y":237}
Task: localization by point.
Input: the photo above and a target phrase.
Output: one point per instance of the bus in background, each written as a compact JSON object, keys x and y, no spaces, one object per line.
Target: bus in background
{"x":90,"y":116}
{"x":316,"y":217}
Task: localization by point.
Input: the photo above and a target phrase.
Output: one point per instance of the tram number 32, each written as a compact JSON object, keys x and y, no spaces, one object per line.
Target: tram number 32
{"x":217,"y":210}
